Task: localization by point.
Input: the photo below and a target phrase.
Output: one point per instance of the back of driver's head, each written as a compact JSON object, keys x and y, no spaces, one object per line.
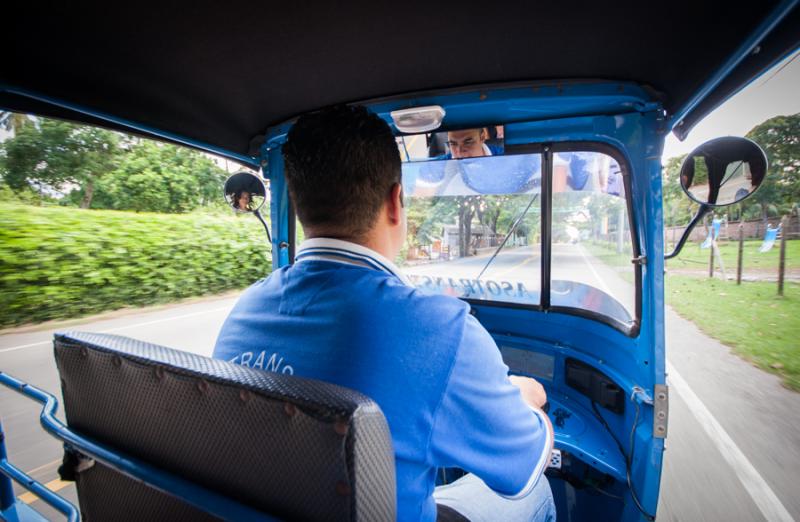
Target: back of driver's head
{"x":341,"y":164}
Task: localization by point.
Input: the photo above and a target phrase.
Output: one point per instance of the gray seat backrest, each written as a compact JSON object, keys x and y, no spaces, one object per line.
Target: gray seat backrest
{"x":290,"y":447}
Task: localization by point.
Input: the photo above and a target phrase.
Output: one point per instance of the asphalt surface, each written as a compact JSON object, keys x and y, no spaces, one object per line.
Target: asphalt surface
{"x":733,"y":450}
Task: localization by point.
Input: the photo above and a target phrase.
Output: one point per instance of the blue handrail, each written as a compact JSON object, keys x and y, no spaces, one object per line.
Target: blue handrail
{"x":189,"y":492}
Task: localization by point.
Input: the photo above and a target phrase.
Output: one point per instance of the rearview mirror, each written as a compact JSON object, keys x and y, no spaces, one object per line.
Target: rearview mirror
{"x":454,"y":144}
{"x":245,"y":192}
{"x":723,"y":171}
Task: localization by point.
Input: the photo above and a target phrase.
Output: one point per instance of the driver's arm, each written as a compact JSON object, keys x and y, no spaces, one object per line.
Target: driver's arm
{"x":483,"y":425}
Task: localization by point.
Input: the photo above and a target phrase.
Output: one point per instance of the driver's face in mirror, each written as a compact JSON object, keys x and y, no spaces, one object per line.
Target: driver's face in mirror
{"x":468,"y":143}
{"x":242,"y":200}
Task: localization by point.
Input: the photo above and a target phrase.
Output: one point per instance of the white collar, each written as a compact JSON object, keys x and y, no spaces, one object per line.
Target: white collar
{"x":336,"y":250}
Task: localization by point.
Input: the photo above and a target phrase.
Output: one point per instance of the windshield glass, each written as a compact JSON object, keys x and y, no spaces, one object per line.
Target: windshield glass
{"x":474,"y":231}
{"x":591,"y":237}
{"x":473,"y":227}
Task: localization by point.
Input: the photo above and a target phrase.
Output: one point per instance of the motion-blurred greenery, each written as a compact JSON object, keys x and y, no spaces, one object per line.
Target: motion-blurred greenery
{"x":60,"y":262}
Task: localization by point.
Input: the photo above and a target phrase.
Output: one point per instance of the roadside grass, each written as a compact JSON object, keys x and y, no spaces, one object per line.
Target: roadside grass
{"x":694,"y":257}
{"x":751,"y":318}
{"x":607,"y":253}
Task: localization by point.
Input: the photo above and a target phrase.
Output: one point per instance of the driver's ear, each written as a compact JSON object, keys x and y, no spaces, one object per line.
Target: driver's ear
{"x":394,"y":203}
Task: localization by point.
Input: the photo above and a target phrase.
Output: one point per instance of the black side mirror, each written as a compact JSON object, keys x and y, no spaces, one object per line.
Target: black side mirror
{"x":719,"y":173}
{"x":723,"y":171}
{"x":245,"y":192}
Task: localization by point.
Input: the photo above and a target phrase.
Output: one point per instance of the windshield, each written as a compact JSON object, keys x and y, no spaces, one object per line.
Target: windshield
{"x":475,"y":231}
{"x":474,"y":227}
{"x":591,"y":236}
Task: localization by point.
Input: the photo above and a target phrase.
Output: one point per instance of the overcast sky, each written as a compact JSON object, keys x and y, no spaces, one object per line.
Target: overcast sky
{"x":775,"y":93}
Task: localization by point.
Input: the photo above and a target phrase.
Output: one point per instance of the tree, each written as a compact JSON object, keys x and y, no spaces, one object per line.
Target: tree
{"x":53,"y":154}
{"x":92,"y":167}
{"x":678,"y":209}
{"x":780,"y":139}
{"x":22,"y":159}
{"x":160,"y":177}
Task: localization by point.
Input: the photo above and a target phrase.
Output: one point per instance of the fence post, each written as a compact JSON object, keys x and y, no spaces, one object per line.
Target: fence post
{"x":782,"y":263}
{"x":711,"y":258}
{"x":741,"y":251}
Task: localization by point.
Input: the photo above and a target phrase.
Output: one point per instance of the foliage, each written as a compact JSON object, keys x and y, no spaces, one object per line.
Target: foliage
{"x":92,"y":167}
{"x":52,"y":154}
{"x":62,"y":262}
{"x":780,"y":139}
{"x":427,"y":217}
{"x":750,"y":318}
{"x":678,"y":208}
{"x":158,"y":177}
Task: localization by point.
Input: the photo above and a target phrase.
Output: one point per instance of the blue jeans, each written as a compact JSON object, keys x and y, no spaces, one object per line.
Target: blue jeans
{"x":473,"y":499}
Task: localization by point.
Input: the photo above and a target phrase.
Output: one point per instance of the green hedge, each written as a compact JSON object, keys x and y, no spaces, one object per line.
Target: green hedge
{"x":58,"y":263}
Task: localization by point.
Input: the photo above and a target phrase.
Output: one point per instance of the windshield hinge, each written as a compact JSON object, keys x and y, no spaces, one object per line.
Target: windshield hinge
{"x":660,"y":411}
{"x":660,"y":406}
{"x":641,"y":260}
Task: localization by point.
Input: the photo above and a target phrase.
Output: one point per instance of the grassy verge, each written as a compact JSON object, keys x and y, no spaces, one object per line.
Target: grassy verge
{"x":607,"y":253}
{"x":750,"y":318}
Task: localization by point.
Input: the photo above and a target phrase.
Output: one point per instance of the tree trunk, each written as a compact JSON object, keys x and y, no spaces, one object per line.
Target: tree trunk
{"x":88,"y":193}
{"x":465,"y":215}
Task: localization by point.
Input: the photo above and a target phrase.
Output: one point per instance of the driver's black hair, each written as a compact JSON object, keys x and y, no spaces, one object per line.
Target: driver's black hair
{"x":341,"y":163}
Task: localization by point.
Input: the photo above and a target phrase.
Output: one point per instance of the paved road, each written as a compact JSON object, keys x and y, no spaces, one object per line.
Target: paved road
{"x":733,"y":451}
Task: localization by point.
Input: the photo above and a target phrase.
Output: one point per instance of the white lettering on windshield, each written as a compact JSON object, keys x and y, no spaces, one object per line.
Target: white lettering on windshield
{"x":472,"y":287}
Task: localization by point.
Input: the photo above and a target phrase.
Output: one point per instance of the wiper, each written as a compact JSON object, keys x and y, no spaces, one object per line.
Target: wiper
{"x":508,"y":235}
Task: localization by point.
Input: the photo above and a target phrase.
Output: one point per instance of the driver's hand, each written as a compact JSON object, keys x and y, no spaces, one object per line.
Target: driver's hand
{"x":532,"y":392}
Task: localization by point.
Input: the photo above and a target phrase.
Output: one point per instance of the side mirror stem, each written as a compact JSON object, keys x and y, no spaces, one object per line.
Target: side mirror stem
{"x":701,"y":212}
{"x":266,"y":228}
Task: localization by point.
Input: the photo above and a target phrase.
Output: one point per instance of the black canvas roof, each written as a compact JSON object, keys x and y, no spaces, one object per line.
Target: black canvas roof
{"x":223,"y":72}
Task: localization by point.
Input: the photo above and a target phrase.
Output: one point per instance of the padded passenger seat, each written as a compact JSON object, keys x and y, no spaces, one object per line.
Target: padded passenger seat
{"x":290,"y":447}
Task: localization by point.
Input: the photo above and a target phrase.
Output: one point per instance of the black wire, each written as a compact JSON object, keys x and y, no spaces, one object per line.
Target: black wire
{"x":606,"y":493}
{"x":510,"y":231}
{"x":626,"y":458}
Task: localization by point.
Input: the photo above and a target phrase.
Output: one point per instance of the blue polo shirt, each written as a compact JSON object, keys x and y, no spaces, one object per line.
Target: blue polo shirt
{"x":345,"y":314}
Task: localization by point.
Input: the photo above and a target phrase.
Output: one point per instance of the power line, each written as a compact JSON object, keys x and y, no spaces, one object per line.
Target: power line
{"x":782,"y":67}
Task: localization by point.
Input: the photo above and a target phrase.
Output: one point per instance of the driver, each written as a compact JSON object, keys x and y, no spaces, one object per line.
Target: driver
{"x":242,"y":200}
{"x":344,"y":313}
{"x":470,"y":143}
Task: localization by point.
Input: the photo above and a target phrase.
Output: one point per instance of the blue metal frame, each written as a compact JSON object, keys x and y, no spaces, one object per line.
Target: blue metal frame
{"x":133,"y":126}
{"x":198,"y":496}
{"x":749,"y":45}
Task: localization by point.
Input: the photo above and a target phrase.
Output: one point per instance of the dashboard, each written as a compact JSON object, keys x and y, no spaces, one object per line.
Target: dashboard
{"x":572,"y":386}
